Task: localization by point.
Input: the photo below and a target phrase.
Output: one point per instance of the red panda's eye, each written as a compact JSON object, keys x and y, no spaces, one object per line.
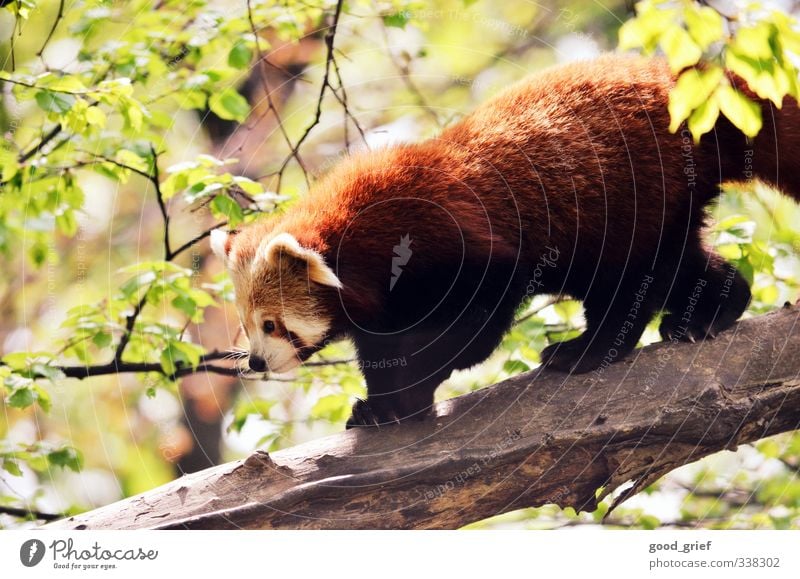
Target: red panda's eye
{"x":268,"y":327}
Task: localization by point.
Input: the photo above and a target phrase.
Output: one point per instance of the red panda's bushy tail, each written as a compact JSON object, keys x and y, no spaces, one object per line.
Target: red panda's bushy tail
{"x":775,"y":152}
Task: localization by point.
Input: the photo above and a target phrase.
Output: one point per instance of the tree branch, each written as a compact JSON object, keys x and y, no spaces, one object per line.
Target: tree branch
{"x":29,"y":514}
{"x":196,"y":239}
{"x":46,"y":138}
{"x":534,"y":439}
{"x":155,"y":179}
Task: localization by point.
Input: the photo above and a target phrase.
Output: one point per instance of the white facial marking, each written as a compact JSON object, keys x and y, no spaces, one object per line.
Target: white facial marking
{"x":310,"y":329}
{"x":280,"y":354}
{"x":219,"y":237}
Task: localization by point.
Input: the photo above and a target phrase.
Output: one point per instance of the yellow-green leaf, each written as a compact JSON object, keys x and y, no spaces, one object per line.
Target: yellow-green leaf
{"x":646,"y":28}
{"x":96,"y":117}
{"x":693,"y":88}
{"x":681,"y":50}
{"x":705,"y":25}
{"x":703,"y":119}
{"x":740,"y":110}
{"x":755,"y":40}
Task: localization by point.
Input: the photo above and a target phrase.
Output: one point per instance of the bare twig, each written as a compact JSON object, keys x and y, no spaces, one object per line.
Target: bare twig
{"x":46,"y":138}
{"x":531,"y":313}
{"x":156,"y":180}
{"x":130,"y":323}
{"x":330,"y":38}
{"x":262,"y":60}
{"x":195,"y":240}
{"x":59,"y":16}
{"x":405,"y":76}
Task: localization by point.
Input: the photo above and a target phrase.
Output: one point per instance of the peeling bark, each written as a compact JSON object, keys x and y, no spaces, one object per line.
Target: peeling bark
{"x":535,"y":439}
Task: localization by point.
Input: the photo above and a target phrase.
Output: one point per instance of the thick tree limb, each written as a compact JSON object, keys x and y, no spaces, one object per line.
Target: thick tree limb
{"x":535,"y":439}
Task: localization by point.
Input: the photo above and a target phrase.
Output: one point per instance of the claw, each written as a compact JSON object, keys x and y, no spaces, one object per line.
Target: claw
{"x":364,"y":415}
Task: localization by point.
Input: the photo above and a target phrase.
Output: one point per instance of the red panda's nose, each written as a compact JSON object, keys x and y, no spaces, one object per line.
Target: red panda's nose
{"x":257,"y":364}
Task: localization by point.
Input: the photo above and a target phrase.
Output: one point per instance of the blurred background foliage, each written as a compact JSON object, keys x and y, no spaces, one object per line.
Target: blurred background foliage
{"x":124,"y":120}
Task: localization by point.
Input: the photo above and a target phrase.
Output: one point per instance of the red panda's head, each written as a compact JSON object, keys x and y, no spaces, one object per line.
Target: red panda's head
{"x":283,"y":294}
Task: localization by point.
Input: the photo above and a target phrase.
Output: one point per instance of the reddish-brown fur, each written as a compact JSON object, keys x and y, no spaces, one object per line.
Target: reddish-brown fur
{"x":576,"y":161}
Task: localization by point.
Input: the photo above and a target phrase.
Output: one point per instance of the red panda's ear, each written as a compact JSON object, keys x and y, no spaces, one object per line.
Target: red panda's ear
{"x":284,"y":246}
{"x":220,"y":245}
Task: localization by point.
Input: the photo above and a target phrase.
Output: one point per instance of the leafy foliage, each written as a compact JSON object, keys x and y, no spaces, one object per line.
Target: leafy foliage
{"x":759,"y":45}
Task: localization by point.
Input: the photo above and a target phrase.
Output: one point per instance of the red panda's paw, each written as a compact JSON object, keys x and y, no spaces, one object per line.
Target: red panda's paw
{"x":364,"y":414}
{"x":576,"y":356}
{"x":674,"y":329}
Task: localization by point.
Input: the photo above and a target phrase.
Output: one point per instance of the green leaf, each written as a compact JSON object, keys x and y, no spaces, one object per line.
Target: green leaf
{"x":54,"y":102}
{"x":731,"y":221}
{"x":396,"y":19}
{"x":245,"y":409}
{"x":189,"y":353}
{"x":42,"y":398}
{"x":240,"y":55}
{"x":133,"y":115}
{"x":740,"y":110}
{"x":229,"y":105}
{"x":185,"y":304}
{"x":746,"y":269}
{"x":18,"y":360}
{"x":224,"y":206}
{"x":169,"y":358}
{"x":9,"y":165}
{"x":21,"y":398}
{"x":12,"y":467}
{"x":515,"y":367}
{"x":768,"y":294}
{"x":67,"y":457}
{"x":649,"y":522}
{"x":566,"y":309}
{"x":333,"y":407}
{"x":67,"y":223}
{"x":180,"y":354}
{"x":766,"y":77}
{"x":132,"y":160}
{"x":96,"y":117}
{"x":101,"y":339}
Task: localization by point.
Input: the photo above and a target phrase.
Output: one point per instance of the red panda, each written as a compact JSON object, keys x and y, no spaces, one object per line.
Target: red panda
{"x":568,"y":183}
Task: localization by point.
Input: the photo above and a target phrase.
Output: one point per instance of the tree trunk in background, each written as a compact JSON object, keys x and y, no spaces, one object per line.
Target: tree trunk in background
{"x":207,"y":397}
